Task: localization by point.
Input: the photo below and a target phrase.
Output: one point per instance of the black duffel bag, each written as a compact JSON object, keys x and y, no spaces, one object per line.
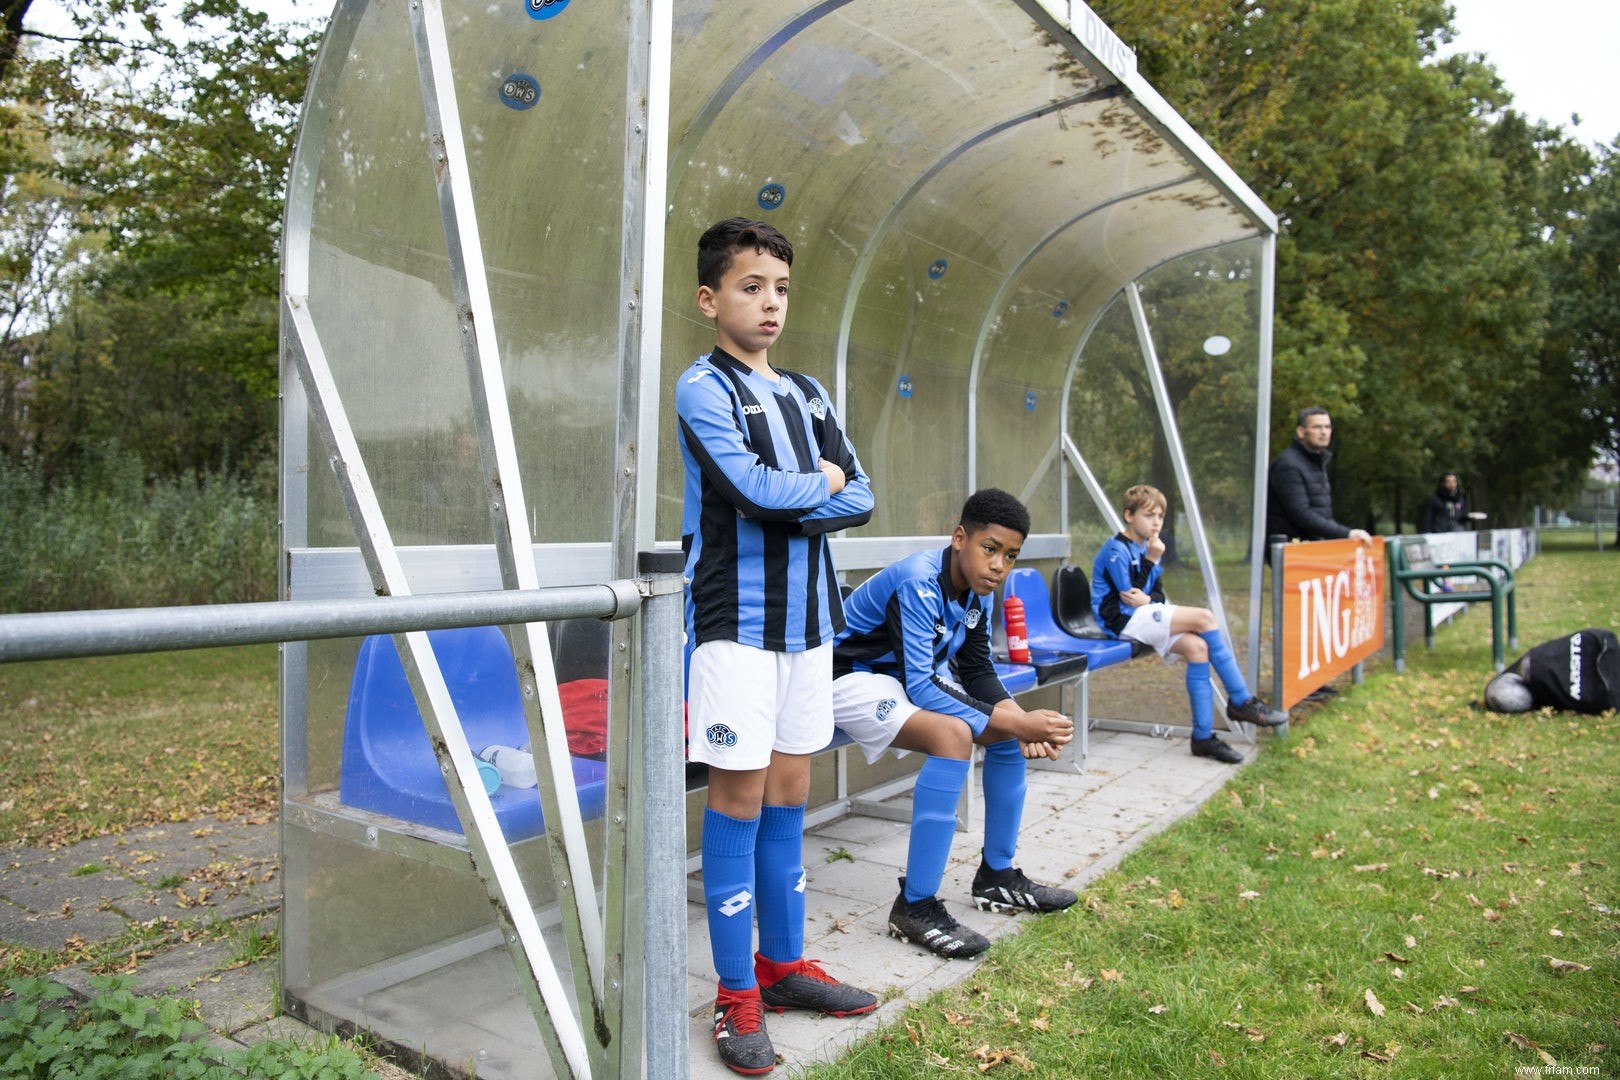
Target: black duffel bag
{"x":1579,"y":672}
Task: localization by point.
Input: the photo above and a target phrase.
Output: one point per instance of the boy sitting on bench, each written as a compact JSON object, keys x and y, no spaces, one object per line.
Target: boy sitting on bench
{"x":895,"y":689}
{"x":1128,"y":600}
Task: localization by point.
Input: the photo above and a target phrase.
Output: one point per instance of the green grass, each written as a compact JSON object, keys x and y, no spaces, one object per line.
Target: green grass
{"x":1401,"y":843}
{"x":111,"y":743}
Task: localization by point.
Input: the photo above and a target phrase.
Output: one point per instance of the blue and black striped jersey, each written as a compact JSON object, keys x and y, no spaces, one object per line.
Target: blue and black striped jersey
{"x":757,"y":512}
{"x":908,"y":622}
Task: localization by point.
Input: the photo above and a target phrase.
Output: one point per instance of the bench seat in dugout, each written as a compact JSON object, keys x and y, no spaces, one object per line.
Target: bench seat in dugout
{"x":388,"y":764}
{"x":1046,"y":637}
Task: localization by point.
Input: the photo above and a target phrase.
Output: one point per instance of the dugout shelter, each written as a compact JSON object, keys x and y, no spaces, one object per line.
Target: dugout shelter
{"x":1016,"y":266}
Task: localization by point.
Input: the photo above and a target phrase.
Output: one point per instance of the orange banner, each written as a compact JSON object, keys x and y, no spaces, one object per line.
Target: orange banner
{"x":1333,"y":611}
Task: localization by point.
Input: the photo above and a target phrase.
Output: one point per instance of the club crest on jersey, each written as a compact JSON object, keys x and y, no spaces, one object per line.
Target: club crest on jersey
{"x":720,"y":735}
{"x":885,"y":707}
{"x":971,"y":618}
{"x":817,"y":408}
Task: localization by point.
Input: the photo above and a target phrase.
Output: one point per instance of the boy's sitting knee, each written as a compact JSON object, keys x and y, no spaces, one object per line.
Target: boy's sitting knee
{"x":950,"y":739}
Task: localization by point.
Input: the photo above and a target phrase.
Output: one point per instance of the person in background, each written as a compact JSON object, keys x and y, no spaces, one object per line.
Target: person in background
{"x":1299,"y":498}
{"x":1446,"y":510}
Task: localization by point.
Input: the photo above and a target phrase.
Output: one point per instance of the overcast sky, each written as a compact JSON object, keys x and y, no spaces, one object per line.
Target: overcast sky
{"x":1556,"y":56}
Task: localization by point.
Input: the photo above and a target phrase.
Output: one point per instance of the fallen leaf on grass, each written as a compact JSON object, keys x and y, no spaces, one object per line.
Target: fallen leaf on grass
{"x":1374,"y":1006}
{"x":1156,"y":1009}
{"x":1384,"y":1056}
{"x":989,"y":1059}
{"x":1371,"y":868}
{"x":1520,"y":1041}
{"x":1416,"y":1010}
{"x":1110,"y":975}
{"x":1555,"y":932}
{"x":1396,"y":958}
{"x":1444,"y":1002}
{"x":1341,"y":1039}
{"x":1248,"y":894}
{"x":958,"y":1020}
{"x":915,"y":1032}
{"x":1492,"y":915}
{"x":1562,"y":966}
{"x":1216,"y":1060}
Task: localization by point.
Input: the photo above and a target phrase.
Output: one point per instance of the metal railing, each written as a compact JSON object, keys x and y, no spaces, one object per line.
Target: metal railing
{"x":656,"y":597}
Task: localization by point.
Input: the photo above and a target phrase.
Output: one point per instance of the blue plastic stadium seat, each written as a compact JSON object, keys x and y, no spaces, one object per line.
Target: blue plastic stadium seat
{"x":388,"y":764}
{"x":1017,"y":677}
{"x":1028,"y":585}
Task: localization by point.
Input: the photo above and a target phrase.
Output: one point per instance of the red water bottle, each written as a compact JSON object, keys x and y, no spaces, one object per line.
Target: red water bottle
{"x":1012,"y":610}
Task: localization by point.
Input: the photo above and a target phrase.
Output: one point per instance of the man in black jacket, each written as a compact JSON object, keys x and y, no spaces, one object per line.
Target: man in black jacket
{"x":1299,"y":503}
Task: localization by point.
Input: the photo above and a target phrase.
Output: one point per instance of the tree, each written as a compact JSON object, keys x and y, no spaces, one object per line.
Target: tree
{"x":1411,"y":278}
{"x":1587,"y":307}
{"x":172,"y":125}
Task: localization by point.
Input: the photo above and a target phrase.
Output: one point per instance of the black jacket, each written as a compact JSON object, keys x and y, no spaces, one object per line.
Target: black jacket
{"x":1446,"y":511}
{"x":1299,"y":499}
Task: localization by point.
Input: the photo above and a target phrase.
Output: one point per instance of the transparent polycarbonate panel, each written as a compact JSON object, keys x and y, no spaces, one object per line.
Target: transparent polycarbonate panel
{"x":546,"y":162}
{"x":1203,"y":312}
{"x":821,"y":124}
{"x":915,"y":162}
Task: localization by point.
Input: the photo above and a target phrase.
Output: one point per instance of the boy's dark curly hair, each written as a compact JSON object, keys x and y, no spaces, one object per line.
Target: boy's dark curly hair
{"x":725,"y":238}
{"x":992,"y":506}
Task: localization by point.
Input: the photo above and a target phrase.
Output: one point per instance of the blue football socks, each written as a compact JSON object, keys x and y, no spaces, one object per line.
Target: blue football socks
{"x":1202,"y":699}
{"x":779,"y":873}
{"x":933,"y":824}
{"x":728,"y":893}
{"x":1226,"y":666}
{"x":1004,"y":787}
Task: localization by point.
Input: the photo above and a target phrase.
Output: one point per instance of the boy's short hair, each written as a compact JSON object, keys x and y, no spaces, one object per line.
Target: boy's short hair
{"x":1144,"y":496}
{"x":725,"y":238}
{"x":992,"y":506}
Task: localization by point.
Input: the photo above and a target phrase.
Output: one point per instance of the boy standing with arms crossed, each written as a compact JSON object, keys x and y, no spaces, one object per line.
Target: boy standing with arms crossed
{"x":769,"y":474}
{"x":914,"y":673}
{"x":1128,"y":600}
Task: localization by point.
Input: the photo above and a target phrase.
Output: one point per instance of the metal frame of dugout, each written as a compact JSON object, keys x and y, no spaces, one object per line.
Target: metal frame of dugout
{"x":1017,"y":266}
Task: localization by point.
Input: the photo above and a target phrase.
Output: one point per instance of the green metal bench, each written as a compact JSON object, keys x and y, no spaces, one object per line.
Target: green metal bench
{"x":1413,"y":573}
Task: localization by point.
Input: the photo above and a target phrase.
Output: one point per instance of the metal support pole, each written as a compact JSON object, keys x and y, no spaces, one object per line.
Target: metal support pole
{"x":663,"y":815}
{"x":1277,"y":628}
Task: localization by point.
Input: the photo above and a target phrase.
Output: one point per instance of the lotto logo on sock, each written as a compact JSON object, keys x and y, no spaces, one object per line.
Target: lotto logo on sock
{"x":803,"y":877}
{"x":720,"y":735}
{"x":736,"y":903}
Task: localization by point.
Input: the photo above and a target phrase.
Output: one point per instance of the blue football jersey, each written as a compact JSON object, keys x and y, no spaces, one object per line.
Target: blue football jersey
{"x":756,"y":509}
{"x":907,"y":621}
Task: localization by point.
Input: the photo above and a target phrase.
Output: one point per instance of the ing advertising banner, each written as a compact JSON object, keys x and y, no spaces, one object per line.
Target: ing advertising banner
{"x":1333,"y":611}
